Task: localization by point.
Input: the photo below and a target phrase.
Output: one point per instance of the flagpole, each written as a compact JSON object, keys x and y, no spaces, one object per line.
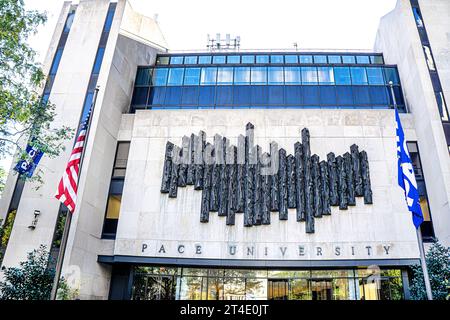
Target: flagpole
{"x":418,"y":232}
{"x":65,"y":235}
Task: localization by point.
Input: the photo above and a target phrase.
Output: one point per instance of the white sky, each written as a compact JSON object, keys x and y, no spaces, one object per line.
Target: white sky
{"x":263,"y":24}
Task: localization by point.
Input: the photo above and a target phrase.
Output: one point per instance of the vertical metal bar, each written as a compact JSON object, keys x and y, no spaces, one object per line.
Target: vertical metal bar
{"x":424,"y":265}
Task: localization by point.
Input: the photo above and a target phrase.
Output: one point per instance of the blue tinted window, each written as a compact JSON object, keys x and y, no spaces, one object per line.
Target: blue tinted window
{"x":417,"y":17}
{"x":344,"y":95}
{"x":378,"y":95}
{"x":362,"y":59}
{"x":44,"y":98}
{"x":309,"y":75}
{"x":327,"y":95}
{"x":206,"y":95}
{"x":376,"y":59}
{"x":320,"y":59}
{"x":275,"y":95}
{"x":160,"y":76}
{"x":293,"y":95}
{"x":225,"y":76}
{"x":242,"y":95}
{"x":190,"y":60}
{"x":248,"y":59}
{"x":208,"y":76}
{"x":391,"y":75}
{"x":233,"y":59}
{"x":192,"y":76}
{"x":262,"y":59}
{"x":375,"y":75}
{"x":139,"y":96}
{"x":162,"y":60}
{"x":334,"y":59}
{"x":69,"y":21}
{"x":259,"y":95}
{"x":173,"y":96}
{"x":291,"y":59}
{"x":326,"y":75}
{"x":176,"y":60}
{"x":361,"y":95}
{"x":224,"y":95}
{"x":87,"y":105}
{"x":292,"y":75}
{"x":348,"y":59}
{"x":310,"y":95}
{"x":276,"y":59}
{"x":98,"y":60}
{"x":175,"y":77}
{"x":204,"y":59}
{"x":259,"y":75}
{"x":218,"y":59}
{"x":306,"y":59}
{"x":358,"y":75}
{"x":242,"y":75}
{"x":143,"y":76}
{"x":189,"y":95}
{"x":275,"y":75}
{"x":109,"y":20}
{"x":157,"y":95}
{"x":342,"y":75}
{"x":56,"y":61}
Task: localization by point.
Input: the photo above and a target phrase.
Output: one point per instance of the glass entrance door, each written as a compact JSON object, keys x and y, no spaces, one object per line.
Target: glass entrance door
{"x":321,"y":289}
{"x":278,"y":289}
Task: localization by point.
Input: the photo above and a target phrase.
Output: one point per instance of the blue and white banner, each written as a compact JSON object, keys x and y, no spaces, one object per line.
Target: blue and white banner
{"x":27,"y":166}
{"x":406,"y":177}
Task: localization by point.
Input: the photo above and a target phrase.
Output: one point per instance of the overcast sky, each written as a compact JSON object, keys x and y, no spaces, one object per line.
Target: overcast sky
{"x":263,"y":24}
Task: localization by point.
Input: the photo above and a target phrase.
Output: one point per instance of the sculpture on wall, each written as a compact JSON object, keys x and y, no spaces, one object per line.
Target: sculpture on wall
{"x":245,"y":180}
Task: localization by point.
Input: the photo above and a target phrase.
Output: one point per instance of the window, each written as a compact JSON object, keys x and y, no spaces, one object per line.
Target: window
{"x":190,"y":60}
{"x":139,"y":96}
{"x":429,"y":58}
{"x":390,"y":74}
{"x":375,"y":75}
{"x":176,"y":60}
{"x":376,"y":59}
{"x":242,"y":75}
{"x":358,"y":75}
{"x":175,"y":77}
{"x":160,"y":76}
{"x":208,"y":76}
{"x":326,"y":75}
{"x":259,"y":75}
{"x":262,"y":59}
{"x":218,"y":59}
{"x":320,"y":59}
{"x":204,"y":59}
{"x":192,"y":76}
{"x":143,"y":77}
{"x":334,"y":59}
{"x":362,"y":59}
{"x":69,"y":21}
{"x":56,"y":61}
{"x":233,"y":59}
{"x":348,"y":59}
{"x":309,"y":75}
{"x":441,"y":105}
{"x":98,"y":60}
{"x":162,"y":60}
{"x":248,"y":59}
{"x":417,"y":17}
{"x":276,"y":59}
{"x":109,"y":20}
{"x":306,"y":59}
{"x":291,"y":59}
{"x":121,"y":160}
{"x":292,"y":75}
{"x":225,"y":76}
{"x":275,"y":75}
{"x":342,"y":75}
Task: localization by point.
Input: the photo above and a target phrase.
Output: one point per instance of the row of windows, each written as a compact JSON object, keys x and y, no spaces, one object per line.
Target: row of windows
{"x":266,"y":96}
{"x":274,"y":58}
{"x":266,"y":75}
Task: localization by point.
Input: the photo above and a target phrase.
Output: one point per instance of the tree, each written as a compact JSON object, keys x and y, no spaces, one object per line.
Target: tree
{"x":438,"y":265}
{"x":23,"y":115}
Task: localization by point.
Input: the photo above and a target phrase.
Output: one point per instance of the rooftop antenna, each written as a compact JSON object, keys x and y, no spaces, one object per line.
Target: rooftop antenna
{"x":295,"y":46}
{"x":219,"y":44}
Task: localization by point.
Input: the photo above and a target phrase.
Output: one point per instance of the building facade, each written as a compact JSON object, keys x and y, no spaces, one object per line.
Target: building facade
{"x":240,"y":175}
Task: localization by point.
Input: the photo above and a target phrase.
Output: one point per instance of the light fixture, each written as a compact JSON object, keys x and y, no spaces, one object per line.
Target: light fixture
{"x":33,"y":224}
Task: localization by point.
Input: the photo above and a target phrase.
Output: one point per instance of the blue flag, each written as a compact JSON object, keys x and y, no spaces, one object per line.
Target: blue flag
{"x":27,"y":166}
{"x":406,"y":177}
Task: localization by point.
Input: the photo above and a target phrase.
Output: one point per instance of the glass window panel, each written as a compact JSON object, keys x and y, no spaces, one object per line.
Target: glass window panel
{"x":45,"y":98}
{"x":191,"y":288}
{"x":306,"y":59}
{"x":109,"y":20}
{"x":390,"y":74}
{"x":292,"y":75}
{"x":327,"y":95}
{"x":69,"y":21}
{"x":375,"y":75}
{"x":326,"y":75}
{"x":162,"y":60}
{"x":157,"y":96}
{"x":98,"y":60}
{"x":429,"y":58}
{"x":190,"y":60}
{"x":300,"y":289}
{"x":176,"y":60}
{"x":248,"y":59}
{"x":441,"y":105}
{"x":143,"y":76}
{"x":224,"y":95}
{"x":192,"y":76}
{"x":276,"y":58}
{"x":175,"y":77}
{"x":344,"y":95}
{"x":242,"y":75}
{"x":376,"y":59}
{"x":334,"y":59}
{"x":291,"y":59}
{"x":361,"y":95}
{"x":417,"y":17}
{"x":218,"y":59}
{"x":208,"y":76}
{"x":113,"y":208}
{"x":87,"y":105}
{"x":275,"y":95}
{"x":320,"y":59}
{"x":233,"y":59}
{"x":56,"y":61}
{"x":256,"y":289}
{"x":139,"y":96}
{"x":342,"y":75}
{"x":358,"y":75}
{"x":309,"y":75}
{"x":242,"y":95}
{"x":234,"y":289}
{"x":293,"y":95}
{"x":348,"y":59}
{"x":275,"y":75}
{"x":204,"y":59}
{"x":310,"y":95}
{"x":173,"y":96}
{"x":259,"y":75}
{"x":259,"y":95}
{"x":362,"y":59}
{"x":206,"y":95}
{"x":225,"y":76}
{"x":190,"y":96}
{"x":262,"y":59}
{"x":378,"y":95}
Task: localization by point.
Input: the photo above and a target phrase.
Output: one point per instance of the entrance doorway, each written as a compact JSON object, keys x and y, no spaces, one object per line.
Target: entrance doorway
{"x":277,"y":289}
{"x":321,"y":289}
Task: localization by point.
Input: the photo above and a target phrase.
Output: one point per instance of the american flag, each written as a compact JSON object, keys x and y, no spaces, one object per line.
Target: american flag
{"x":68,"y":185}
